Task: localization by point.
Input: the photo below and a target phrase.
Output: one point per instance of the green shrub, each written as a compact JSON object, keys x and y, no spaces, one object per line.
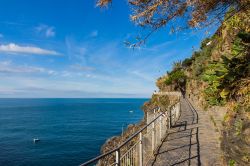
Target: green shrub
{"x":223,"y":76}
{"x":204,"y":43}
{"x":244,"y":36}
{"x":231,"y":162}
{"x":201,"y":57}
{"x":176,"y":77}
{"x":238,"y":127}
{"x":187,"y":62}
{"x":214,"y":75}
{"x":177,"y":65}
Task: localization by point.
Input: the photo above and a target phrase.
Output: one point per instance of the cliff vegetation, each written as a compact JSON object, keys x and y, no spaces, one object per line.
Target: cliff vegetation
{"x":217,"y":76}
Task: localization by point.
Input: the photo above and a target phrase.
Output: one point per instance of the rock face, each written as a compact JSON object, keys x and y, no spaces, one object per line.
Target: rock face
{"x":215,"y":84}
{"x":236,"y":139}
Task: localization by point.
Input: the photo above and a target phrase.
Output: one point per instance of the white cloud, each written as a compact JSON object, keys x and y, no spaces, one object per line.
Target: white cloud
{"x":94,"y":33}
{"x":14,"y":48}
{"x":46,"y":30}
{"x":50,"y":32}
{"x":76,"y":51}
{"x":143,"y":76}
{"x":23,"y":86}
{"x":82,"y":68}
{"x":6,"y":69}
{"x":9,"y":67}
{"x":66,"y":74}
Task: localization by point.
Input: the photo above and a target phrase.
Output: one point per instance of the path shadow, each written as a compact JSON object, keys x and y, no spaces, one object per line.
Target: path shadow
{"x":194,"y":112}
{"x":180,"y":125}
{"x":181,"y":144}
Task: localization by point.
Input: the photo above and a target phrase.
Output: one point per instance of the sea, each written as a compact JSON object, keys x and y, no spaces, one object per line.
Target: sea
{"x":71,"y":131}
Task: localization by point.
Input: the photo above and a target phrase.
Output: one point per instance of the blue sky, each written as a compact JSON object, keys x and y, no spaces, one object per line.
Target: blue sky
{"x":75,"y":49}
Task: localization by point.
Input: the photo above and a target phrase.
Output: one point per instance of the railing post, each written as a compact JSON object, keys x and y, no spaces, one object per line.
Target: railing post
{"x":170,"y":118}
{"x":148,"y":118}
{"x":140,"y":151}
{"x":176,"y":113}
{"x":173,"y":114}
{"x":117,"y":158}
{"x":153,"y":134}
{"x":179,"y":109}
{"x":160,"y":127}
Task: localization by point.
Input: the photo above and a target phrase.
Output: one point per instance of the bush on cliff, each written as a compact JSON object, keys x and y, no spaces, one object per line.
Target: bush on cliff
{"x":224,"y":78}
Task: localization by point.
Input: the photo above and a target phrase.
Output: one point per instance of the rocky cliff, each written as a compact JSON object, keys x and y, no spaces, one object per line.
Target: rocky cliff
{"x":217,"y":79}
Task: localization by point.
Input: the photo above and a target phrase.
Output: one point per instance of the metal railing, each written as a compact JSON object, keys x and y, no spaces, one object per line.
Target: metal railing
{"x":138,"y":149}
{"x":173,"y":93}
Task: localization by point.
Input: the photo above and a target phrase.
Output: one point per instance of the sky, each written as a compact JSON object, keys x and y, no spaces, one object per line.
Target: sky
{"x":72,"y":48}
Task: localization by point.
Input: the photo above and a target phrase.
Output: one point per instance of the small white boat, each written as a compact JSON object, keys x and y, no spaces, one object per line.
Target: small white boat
{"x":131,"y":111}
{"x":35,"y":140}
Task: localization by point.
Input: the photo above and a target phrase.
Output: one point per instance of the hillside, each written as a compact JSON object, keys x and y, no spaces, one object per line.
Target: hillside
{"x":217,"y":79}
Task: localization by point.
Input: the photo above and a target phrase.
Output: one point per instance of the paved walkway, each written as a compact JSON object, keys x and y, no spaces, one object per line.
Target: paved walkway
{"x":192,"y":141}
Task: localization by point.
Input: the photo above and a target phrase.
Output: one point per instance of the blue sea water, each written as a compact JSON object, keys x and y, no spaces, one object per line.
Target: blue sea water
{"x":71,"y":131}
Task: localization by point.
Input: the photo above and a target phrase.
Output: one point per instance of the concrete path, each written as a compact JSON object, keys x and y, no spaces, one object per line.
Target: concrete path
{"x":192,"y":141}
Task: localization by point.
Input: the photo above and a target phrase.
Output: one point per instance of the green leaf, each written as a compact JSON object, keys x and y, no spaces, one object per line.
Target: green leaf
{"x":224,"y":93}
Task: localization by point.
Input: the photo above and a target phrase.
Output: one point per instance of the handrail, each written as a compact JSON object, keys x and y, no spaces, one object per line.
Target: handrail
{"x":173,"y":93}
{"x":136,"y":133}
{"x":171,"y":116}
{"x":130,"y":148}
{"x":120,"y":146}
